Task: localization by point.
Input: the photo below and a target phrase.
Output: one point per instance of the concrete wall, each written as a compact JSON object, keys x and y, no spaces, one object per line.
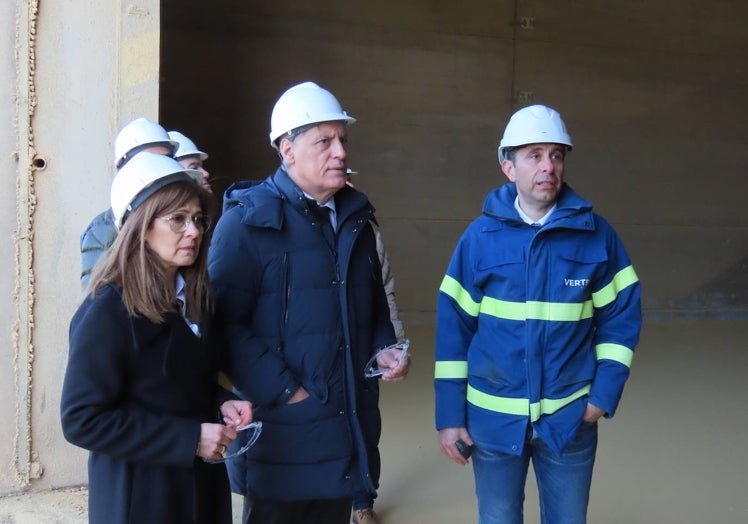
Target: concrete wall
{"x":74,"y":74}
{"x":654,"y":94}
{"x":14,"y":370}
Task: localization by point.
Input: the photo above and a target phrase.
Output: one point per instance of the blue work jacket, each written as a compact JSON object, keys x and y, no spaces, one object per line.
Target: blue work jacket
{"x":533,"y":323}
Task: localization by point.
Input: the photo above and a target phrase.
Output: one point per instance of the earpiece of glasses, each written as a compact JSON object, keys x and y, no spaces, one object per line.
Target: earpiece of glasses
{"x":179,"y":222}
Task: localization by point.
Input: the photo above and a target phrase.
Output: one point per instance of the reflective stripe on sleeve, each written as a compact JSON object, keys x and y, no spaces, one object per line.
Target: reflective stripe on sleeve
{"x":454,"y":289}
{"x":615,"y":352}
{"x":451,"y":369}
{"x":623,"y":279}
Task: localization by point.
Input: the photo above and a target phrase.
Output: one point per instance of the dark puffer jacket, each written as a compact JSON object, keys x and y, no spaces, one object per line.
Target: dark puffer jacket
{"x":297,"y":311}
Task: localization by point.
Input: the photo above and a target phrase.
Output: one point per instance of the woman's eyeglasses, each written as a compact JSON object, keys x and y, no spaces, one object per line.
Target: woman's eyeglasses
{"x":179,"y":222}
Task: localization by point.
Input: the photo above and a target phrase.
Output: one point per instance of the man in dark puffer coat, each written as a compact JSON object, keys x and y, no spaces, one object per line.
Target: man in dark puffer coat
{"x":300,"y":302}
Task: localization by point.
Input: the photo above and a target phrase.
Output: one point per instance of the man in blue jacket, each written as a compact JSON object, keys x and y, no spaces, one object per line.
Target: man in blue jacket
{"x":300,"y":301}
{"x":537,"y":320}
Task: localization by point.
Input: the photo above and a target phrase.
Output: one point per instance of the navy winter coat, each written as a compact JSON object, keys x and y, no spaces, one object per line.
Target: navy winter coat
{"x":297,"y":311}
{"x":134,"y":395}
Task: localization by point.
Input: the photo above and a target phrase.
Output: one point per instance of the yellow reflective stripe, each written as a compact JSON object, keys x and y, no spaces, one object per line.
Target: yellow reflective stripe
{"x":503,"y":309}
{"x":454,"y":289}
{"x":623,"y":279}
{"x":559,"y":311}
{"x":510,"y":406}
{"x":615,"y":352}
{"x":522,"y":406}
{"x":551,"y":311}
{"x":534,"y":310}
{"x":546,"y":406}
{"x":451,"y":369}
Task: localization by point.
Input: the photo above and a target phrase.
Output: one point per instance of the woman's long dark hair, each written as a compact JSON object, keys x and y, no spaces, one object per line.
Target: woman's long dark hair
{"x":140,"y":272}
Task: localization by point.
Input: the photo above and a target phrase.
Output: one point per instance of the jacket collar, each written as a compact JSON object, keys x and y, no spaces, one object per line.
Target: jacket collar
{"x":263,"y":201}
{"x":570,"y":205}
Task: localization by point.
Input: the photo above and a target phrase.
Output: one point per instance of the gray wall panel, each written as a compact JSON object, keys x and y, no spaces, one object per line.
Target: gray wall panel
{"x":654,"y":94}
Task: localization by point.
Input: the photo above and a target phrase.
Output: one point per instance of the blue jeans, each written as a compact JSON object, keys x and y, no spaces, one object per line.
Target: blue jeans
{"x":563,"y":480}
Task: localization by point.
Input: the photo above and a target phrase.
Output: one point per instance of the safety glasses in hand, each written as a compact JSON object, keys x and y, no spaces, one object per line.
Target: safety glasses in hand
{"x":253,"y":430}
{"x":398,"y":353}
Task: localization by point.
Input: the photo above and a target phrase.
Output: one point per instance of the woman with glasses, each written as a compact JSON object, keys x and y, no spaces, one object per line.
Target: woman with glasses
{"x":141,"y":387}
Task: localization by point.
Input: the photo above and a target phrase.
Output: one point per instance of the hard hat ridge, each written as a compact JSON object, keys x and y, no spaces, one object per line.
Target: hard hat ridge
{"x":137,"y":135}
{"x":301,"y":105}
{"x":534,"y":124}
{"x":141,"y":177}
{"x":187,"y":147}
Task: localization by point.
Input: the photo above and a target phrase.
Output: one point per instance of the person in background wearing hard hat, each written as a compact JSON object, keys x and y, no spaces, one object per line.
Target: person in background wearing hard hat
{"x":299,"y":296}
{"x":140,"y":390}
{"x":189,"y":156}
{"x":136,"y":137}
{"x":363,"y":502}
{"x":537,"y":320}
{"x":388,"y":278}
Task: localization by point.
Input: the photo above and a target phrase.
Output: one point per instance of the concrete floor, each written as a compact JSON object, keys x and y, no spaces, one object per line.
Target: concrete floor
{"x":674,"y":454}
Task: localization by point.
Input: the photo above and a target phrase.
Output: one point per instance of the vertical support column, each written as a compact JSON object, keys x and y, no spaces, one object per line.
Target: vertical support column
{"x":139,"y":60}
{"x":25,"y":468}
{"x":60,"y":108}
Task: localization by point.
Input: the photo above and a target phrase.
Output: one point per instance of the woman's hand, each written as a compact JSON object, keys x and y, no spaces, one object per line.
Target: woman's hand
{"x":236,"y":413}
{"x":214,"y":440}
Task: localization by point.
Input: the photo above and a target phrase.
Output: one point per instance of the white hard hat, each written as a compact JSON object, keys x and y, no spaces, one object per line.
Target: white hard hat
{"x":186,"y":147}
{"x":303,"y":104}
{"x":139,"y":134}
{"x":142,"y":176}
{"x":536,"y":124}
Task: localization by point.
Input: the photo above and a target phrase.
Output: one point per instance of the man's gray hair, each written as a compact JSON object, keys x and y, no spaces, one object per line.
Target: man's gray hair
{"x":291,"y":136}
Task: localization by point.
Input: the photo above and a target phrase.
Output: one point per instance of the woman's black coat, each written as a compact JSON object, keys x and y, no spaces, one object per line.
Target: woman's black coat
{"x":135,"y":394}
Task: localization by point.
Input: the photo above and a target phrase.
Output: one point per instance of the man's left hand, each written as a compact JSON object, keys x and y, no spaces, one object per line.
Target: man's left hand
{"x":592,"y":413}
{"x":396,"y":370}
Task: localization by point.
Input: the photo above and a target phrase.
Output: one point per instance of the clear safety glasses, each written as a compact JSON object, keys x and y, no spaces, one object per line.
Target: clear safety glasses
{"x":392,"y":356}
{"x":253,"y":430}
{"x":179,"y":222}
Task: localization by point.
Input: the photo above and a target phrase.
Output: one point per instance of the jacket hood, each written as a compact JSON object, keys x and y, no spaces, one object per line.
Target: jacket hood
{"x":500,"y":203}
{"x":236,"y":193}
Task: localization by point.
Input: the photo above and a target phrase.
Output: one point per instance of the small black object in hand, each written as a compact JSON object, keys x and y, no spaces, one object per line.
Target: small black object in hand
{"x":464,"y":449}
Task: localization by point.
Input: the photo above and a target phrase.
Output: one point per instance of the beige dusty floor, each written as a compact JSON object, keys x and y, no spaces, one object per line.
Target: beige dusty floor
{"x":674,"y":454}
